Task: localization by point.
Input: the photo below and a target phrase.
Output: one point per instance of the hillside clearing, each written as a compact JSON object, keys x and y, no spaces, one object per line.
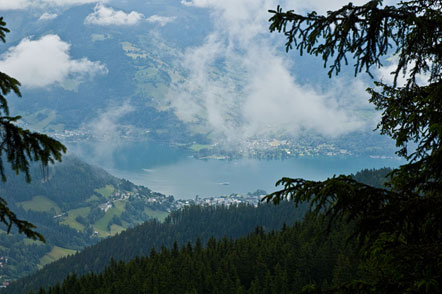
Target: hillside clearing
{"x":72,"y":215}
{"x":41,"y":204}
{"x":55,"y":254}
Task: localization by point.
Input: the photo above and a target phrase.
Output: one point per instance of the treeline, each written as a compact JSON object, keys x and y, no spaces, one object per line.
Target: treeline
{"x":373,"y":177}
{"x":181,"y":226}
{"x":264,"y":262}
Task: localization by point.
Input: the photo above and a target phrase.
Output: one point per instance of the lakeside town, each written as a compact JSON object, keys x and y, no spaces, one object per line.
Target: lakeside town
{"x":258,"y":148}
{"x":169,"y":203}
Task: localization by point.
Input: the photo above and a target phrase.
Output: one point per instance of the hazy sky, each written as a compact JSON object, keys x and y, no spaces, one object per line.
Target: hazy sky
{"x":257,"y":94}
{"x":240,"y":82}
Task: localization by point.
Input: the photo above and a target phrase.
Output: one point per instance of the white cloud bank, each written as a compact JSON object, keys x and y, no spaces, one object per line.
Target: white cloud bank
{"x":46,"y":61}
{"x":106,"y":16}
{"x":14,"y":4}
{"x":160,"y":20}
{"x":255,"y":95}
{"x":24,"y":4}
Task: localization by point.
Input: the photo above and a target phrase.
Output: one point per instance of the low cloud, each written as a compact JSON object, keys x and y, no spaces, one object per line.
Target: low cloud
{"x":106,"y":127}
{"x":24,"y":4}
{"x":14,"y":5}
{"x":46,"y":61}
{"x":48,"y":16}
{"x":106,"y":16}
{"x":160,"y":20}
{"x":107,"y":132}
{"x":386,"y":73}
{"x":240,"y":84}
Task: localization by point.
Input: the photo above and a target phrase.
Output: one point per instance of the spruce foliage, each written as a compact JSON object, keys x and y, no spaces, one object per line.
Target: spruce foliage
{"x":399,"y":229}
{"x":19,"y":147}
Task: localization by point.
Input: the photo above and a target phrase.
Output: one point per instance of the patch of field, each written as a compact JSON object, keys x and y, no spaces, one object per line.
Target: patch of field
{"x":116,"y":229}
{"x":198,"y":147}
{"x":154,"y":89}
{"x":40,"y":203}
{"x":72,"y":214}
{"x":128,"y":47}
{"x":55,"y":254}
{"x":149,"y":73}
{"x":101,"y":225}
{"x":100,"y":37}
{"x":93,"y":198}
{"x":32,"y":242}
{"x":158,"y":214}
{"x":135,"y":56}
{"x":106,"y":191}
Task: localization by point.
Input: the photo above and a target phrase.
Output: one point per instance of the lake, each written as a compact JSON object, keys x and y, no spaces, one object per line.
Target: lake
{"x":173,"y":171}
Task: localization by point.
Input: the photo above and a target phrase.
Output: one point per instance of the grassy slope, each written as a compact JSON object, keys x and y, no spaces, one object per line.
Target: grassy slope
{"x":199,"y":147}
{"x":101,"y":225}
{"x":158,"y":214}
{"x":106,"y":191}
{"x":40,"y":203}
{"x":72,"y":214}
{"x":55,"y":254}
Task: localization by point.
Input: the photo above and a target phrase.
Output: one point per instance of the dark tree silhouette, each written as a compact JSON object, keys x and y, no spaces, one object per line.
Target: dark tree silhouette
{"x":20,"y":147}
{"x":399,"y":228}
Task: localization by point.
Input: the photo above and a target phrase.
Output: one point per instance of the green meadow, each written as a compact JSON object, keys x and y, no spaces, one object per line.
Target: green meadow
{"x":40,"y":203}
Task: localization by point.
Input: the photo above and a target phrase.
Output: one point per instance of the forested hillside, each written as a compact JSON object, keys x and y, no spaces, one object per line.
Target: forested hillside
{"x":263,"y":262}
{"x":181,"y":226}
{"x":67,"y":184}
{"x":373,"y":177}
{"x":73,"y":205}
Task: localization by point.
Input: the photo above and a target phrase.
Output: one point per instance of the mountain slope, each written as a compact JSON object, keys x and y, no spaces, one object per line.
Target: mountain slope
{"x":276,"y":262}
{"x":73,"y":205}
{"x":181,"y":226}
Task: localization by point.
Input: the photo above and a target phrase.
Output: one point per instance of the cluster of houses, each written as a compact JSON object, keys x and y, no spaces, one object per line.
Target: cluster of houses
{"x":232,"y":199}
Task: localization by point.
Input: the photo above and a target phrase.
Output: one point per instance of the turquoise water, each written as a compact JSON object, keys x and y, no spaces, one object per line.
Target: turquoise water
{"x":174,"y":171}
{"x":186,"y":177}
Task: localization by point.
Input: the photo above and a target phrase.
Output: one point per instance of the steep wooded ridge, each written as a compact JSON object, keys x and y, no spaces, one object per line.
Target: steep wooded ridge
{"x":182,"y":226}
{"x":272,"y":262}
{"x":73,"y":205}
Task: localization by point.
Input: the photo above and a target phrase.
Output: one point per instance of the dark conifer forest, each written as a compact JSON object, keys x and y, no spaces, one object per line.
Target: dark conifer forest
{"x":297,"y":257}
{"x":180,"y":227}
{"x":318,"y":256}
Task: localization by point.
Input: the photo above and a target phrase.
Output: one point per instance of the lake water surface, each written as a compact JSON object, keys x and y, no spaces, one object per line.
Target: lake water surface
{"x":175,"y":172}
